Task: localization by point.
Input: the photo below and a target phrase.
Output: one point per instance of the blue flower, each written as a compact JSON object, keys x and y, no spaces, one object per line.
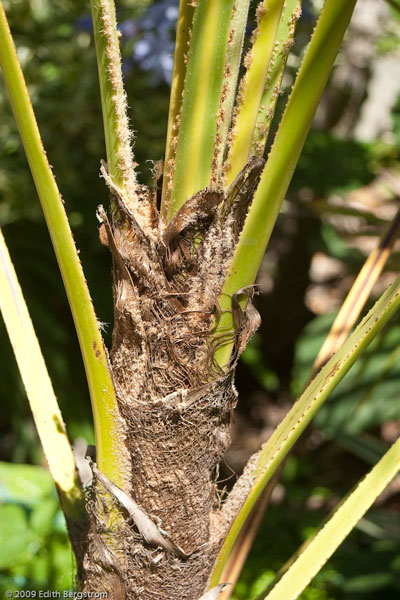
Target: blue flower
{"x":154,"y":37}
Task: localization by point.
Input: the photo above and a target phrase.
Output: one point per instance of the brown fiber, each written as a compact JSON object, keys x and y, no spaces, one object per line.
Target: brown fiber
{"x":176,"y":403}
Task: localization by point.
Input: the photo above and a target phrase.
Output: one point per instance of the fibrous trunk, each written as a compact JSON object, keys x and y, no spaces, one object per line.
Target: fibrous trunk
{"x":175,"y":402}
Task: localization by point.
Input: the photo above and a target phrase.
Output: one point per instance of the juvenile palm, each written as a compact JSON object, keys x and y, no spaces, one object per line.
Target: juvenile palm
{"x":185,"y":257}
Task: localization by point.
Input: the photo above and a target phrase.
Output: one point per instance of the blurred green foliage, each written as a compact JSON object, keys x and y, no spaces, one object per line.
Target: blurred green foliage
{"x":56,"y":50}
{"x":331,"y":164}
{"x":368,"y":396}
{"x":364,"y":567}
{"x":34,"y":548}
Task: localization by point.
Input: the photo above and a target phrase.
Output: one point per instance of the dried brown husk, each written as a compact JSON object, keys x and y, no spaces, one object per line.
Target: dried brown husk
{"x":175,"y":401}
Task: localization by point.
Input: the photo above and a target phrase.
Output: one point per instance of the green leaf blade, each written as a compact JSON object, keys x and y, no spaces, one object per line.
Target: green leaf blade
{"x":304,"y":409}
{"x":197,"y":137}
{"x":312,"y":557}
{"x":296,"y":121}
{"x":39,"y":389}
{"x":109,"y":437}
{"x":251,"y":88}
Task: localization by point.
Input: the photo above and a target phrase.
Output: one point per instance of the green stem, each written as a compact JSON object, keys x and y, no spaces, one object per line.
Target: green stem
{"x":113,"y":99}
{"x":183,"y":32}
{"x":311,"y":557}
{"x":284,"y":40}
{"x":300,"y":415}
{"x":296,"y":121}
{"x":104,"y":404}
{"x":39,"y":389}
{"x":232,"y":66}
{"x":269,"y":14}
{"x":197,"y":143}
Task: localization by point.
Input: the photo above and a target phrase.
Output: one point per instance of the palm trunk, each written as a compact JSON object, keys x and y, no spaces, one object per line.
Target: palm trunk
{"x":175,"y":402}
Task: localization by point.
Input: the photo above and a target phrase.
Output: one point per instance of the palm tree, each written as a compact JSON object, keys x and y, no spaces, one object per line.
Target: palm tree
{"x":185,"y":257}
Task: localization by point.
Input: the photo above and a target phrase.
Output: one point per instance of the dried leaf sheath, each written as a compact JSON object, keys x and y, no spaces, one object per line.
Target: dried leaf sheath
{"x":176,"y":406}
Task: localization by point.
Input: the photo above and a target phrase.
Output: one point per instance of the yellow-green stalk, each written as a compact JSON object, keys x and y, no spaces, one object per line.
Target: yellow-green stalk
{"x":42,"y":400}
{"x":252,"y":86}
{"x":296,"y":121}
{"x":109,"y":436}
{"x":183,"y":32}
{"x":289,"y":430}
{"x":312,"y":556}
{"x":284,"y":40}
{"x":197,"y":140}
{"x":113,"y":99}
